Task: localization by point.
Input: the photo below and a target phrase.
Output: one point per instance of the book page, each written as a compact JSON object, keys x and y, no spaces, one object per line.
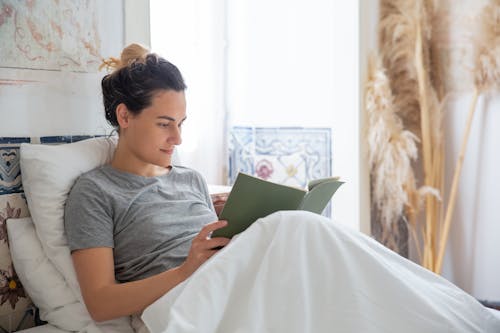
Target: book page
{"x":315,"y":182}
{"x":318,"y":197}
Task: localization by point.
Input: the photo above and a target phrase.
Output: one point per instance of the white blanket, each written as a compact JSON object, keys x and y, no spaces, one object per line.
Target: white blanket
{"x":297,"y":272}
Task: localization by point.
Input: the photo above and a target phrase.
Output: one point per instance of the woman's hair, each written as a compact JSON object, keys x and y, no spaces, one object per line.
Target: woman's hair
{"x":136,"y":77}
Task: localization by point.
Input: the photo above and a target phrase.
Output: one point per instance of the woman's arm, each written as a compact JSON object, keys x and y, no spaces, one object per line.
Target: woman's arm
{"x":106,"y":299}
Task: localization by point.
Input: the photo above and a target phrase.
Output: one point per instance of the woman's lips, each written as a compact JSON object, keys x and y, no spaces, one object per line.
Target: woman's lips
{"x":167,"y":151}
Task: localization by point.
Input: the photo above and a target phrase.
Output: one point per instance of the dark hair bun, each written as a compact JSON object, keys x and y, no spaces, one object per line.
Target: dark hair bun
{"x":137,"y":76}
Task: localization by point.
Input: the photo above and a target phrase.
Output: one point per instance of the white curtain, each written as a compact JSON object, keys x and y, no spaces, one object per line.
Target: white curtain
{"x":190,"y":34}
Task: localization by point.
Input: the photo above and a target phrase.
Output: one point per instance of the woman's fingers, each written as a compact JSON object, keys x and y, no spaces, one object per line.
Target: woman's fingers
{"x":211,"y":227}
{"x":203,"y":247}
{"x":202,"y":242}
{"x":217,"y":242}
{"x":211,"y":253}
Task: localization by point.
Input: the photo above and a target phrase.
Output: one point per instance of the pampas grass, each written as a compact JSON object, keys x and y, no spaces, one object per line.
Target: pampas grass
{"x":487,"y":71}
{"x":405,"y":44}
{"x":396,"y":44}
{"x":417,"y":96}
{"x":486,"y":77}
{"x":392,"y":148}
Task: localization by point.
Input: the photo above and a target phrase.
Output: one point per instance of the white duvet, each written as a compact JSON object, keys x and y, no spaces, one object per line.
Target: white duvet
{"x":298,"y":272}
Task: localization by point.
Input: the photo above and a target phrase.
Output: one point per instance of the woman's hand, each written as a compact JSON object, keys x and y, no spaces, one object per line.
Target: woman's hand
{"x":203,"y":247}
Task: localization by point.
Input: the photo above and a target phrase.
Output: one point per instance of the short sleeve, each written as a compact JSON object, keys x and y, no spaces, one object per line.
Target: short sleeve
{"x":88,"y":219}
{"x":206,"y":193}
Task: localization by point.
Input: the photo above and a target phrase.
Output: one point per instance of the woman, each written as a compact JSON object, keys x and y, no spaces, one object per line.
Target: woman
{"x":133,"y":226}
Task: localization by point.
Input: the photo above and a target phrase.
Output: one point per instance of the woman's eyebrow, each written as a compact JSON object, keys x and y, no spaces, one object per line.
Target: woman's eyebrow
{"x":166,"y":117}
{"x":169,"y":118}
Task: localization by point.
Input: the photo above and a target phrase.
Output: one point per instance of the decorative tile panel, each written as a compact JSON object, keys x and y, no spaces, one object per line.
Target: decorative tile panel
{"x":63,"y":139}
{"x":10,"y":171}
{"x":241,"y":152}
{"x":285,"y":155}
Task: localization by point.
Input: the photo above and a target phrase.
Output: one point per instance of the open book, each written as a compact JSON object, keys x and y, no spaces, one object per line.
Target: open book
{"x":252,"y":198}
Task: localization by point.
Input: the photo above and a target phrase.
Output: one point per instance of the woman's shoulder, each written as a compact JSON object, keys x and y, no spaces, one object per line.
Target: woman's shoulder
{"x":93,"y":174}
{"x":187,"y":172}
{"x":90,"y":180}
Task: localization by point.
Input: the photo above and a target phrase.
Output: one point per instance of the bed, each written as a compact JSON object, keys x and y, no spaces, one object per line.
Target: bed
{"x":339,"y":279}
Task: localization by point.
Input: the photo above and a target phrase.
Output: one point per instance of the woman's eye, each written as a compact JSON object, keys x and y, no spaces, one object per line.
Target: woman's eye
{"x":163,"y":125}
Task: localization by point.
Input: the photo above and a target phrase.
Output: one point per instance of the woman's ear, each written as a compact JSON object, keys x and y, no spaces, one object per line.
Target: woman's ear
{"x":122,"y":115}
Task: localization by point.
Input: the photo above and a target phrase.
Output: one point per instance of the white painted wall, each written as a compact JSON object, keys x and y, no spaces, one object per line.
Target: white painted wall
{"x":137,"y":22}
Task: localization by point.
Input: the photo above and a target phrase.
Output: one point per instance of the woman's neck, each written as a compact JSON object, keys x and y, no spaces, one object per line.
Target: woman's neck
{"x":125,"y":160}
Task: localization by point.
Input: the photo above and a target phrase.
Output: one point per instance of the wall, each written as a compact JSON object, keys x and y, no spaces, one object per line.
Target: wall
{"x":137,"y":18}
{"x":35,"y":101}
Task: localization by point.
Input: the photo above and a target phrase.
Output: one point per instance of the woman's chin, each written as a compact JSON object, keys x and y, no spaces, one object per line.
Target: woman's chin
{"x":165,"y":163}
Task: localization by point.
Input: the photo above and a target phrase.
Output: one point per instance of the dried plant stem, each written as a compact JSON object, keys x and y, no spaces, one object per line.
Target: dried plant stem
{"x":437,"y":176}
{"x":426,"y":148}
{"x":411,"y":211}
{"x":441,"y":188}
{"x":416,"y":241}
{"x":454,"y":186}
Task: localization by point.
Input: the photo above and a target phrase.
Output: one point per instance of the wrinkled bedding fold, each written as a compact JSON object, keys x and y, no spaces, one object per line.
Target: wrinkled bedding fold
{"x":300,"y":272}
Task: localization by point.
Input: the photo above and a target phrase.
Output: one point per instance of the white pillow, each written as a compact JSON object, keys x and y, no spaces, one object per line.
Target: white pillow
{"x":45,"y":285}
{"x":48,"y":173}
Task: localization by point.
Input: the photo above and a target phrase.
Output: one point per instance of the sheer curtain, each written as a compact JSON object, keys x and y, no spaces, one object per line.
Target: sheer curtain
{"x":190,"y":34}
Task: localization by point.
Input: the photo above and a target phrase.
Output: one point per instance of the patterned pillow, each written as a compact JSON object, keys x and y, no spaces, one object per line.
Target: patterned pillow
{"x":16,"y":310}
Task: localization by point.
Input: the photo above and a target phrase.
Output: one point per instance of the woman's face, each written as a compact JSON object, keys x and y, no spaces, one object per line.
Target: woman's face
{"x":151,"y":136}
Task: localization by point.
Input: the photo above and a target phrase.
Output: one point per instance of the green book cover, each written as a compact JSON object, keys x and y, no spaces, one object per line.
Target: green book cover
{"x":252,"y":198}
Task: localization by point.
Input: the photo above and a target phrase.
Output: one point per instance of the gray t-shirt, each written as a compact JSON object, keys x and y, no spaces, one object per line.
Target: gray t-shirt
{"x":148,"y":221}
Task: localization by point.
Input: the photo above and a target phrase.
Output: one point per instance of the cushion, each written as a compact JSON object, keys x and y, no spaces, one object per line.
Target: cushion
{"x":42,"y":281}
{"x":48,"y":174}
{"x":15,"y":305}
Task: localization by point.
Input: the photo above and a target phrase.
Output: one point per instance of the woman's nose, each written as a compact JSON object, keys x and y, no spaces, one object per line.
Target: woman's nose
{"x":175,"y":137}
